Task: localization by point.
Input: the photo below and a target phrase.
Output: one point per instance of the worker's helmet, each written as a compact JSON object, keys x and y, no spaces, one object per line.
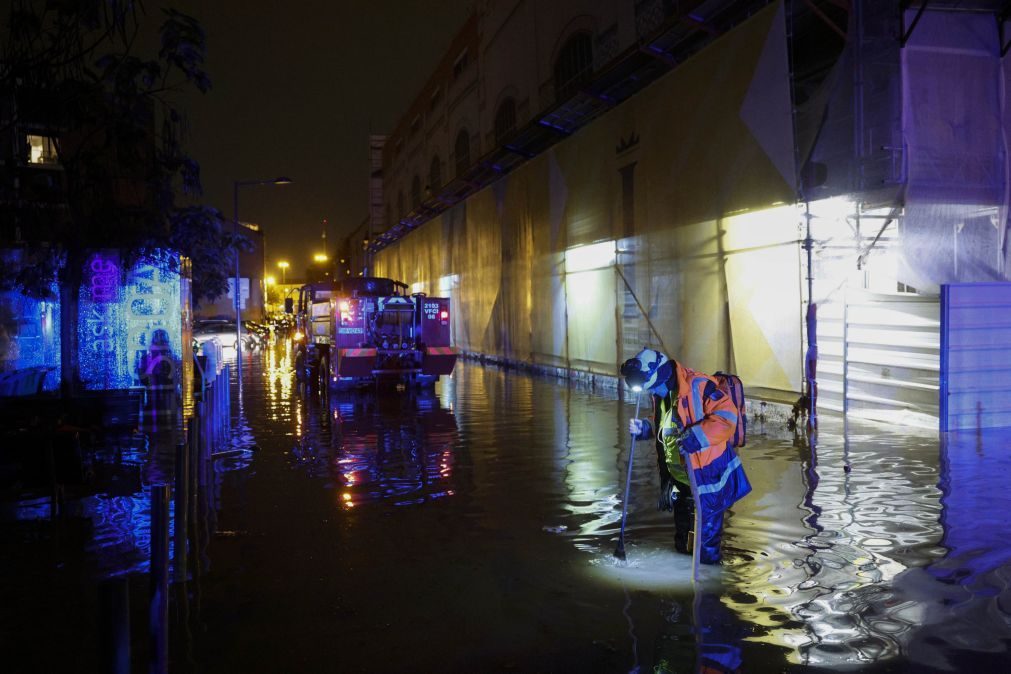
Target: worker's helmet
{"x":646,"y":369}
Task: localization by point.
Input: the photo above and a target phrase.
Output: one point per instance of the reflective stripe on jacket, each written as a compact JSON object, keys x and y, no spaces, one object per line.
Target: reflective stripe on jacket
{"x":710,"y":417}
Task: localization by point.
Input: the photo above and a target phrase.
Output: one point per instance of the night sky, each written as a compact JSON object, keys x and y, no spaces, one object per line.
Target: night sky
{"x":296,"y":89}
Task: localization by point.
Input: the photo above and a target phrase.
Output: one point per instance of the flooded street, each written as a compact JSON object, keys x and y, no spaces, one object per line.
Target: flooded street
{"x":471,"y":529}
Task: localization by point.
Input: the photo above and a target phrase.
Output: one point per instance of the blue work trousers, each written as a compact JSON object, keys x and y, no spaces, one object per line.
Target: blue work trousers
{"x":684,"y":523}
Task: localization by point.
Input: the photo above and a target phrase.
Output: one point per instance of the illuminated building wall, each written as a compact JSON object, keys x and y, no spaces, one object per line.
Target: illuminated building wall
{"x":30,"y":335}
{"x":658,"y":211}
{"x":131,"y":325}
{"x":680,"y":205}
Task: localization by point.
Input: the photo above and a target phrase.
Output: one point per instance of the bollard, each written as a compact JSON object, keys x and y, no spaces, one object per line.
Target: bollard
{"x":228,"y":398}
{"x":114,"y":598}
{"x":182,"y":507}
{"x":204,"y":439}
{"x":194,"y":491}
{"x":158,"y":625}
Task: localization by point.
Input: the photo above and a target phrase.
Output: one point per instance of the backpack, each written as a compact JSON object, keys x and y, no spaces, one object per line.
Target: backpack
{"x":731,"y":385}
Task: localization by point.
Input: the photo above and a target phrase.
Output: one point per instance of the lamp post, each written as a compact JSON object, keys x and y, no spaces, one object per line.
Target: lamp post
{"x":267,"y":282}
{"x":284,"y":268}
{"x":236,"y":289}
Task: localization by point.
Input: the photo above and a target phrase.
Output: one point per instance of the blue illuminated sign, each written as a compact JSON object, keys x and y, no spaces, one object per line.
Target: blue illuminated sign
{"x":99,"y":307}
{"x":130,"y":327}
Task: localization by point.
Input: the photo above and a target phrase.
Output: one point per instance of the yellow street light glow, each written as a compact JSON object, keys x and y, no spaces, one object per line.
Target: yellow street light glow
{"x":270,"y":280}
{"x":320,"y":257}
{"x":283,"y":264}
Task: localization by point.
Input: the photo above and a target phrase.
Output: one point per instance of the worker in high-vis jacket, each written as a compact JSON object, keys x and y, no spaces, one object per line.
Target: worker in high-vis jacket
{"x":693,"y":423}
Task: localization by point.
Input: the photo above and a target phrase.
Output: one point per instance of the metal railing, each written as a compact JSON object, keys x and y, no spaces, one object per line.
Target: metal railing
{"x":180,"y":535}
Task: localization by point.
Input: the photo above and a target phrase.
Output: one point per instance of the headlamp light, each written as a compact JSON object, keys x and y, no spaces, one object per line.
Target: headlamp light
{"x":631,"y":370}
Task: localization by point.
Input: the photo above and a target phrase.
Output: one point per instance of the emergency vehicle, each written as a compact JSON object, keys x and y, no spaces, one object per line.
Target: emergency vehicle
{"x":366,"y":330}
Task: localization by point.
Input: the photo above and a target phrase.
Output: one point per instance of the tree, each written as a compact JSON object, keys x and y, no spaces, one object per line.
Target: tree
{"x":99,"y":79}
{"x":199,"y":234}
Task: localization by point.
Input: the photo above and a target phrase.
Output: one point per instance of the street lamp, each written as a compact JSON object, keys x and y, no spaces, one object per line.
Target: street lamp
{"x":320,"y":257}
{"x":238,"y":312}
{"x":284,"y":268}
{"x":267,"y":282}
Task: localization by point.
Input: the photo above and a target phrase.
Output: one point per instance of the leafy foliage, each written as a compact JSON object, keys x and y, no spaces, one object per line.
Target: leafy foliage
{"x":98,"y":77}
{"x":198,"y":232}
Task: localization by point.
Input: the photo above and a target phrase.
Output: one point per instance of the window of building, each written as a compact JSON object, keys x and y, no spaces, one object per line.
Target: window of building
{"x":41,"y":150}
{"x":461,"y":151}
{"x":505,"y":120}
{"x":461,"y":64}
{"x":574,"y":65}
{"x":415,"y":192}
{"x":435,"y":174}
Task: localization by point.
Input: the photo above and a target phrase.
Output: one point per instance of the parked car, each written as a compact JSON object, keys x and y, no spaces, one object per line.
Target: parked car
{"x":223,"y":330}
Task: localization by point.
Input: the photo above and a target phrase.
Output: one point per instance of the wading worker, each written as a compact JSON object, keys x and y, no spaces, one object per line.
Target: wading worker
{"x":693,"y":423}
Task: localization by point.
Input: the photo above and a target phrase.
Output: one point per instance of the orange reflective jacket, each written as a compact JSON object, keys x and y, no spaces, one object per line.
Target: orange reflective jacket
{"x":710,"y":417}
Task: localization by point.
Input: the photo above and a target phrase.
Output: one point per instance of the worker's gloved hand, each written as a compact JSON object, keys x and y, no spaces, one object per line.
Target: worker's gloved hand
{"x":668,"y":494}
{"x":674,"y":437}
{"x":635,"y":427}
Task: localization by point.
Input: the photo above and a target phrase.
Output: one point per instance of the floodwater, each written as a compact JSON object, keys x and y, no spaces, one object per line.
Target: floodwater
{"x":471,"y":529}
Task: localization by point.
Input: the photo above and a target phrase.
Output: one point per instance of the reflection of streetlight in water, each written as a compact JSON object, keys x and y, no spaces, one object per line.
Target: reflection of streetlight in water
{"x":279,"y":377}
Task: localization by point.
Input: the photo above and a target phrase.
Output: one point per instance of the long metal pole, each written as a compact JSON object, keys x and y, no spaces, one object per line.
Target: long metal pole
{"x":236,"y":289}
{"x":697,"y":542}
{"x":619,"y":551}
{"x":811,"y":362}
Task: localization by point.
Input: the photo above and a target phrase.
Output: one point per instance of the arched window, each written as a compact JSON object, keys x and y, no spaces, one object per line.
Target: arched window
{"x":415,"y":192}
{"x":400,"y":205}
{"x":461,"y":151}
{"x":505,"y":120}
{"x":574,"y":65}
{"x":435,"y":174}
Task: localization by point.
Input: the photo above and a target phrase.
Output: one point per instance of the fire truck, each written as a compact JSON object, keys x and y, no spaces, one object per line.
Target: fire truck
{"x":367,"y":330}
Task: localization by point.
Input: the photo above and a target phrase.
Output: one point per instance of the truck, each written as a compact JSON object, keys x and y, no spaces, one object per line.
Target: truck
{"x":369,"y":330}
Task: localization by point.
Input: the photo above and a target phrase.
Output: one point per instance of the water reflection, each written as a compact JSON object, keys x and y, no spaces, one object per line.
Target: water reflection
{"x":396,"y":446}
{"x":870,"y":547}
{"x":113,"y":524}
{"x":963,"y":597}
{"x":888,"y":569}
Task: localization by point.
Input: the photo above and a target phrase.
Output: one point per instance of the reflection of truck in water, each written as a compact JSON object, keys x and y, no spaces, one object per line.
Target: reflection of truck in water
{"x":369,"y":330}
{"x":377,"y":449}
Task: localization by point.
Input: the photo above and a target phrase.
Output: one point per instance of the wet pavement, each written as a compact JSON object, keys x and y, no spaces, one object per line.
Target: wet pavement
{"x":471,"y":529}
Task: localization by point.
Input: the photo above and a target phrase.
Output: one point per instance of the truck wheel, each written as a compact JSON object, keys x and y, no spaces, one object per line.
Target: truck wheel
{"x":324,"y":373}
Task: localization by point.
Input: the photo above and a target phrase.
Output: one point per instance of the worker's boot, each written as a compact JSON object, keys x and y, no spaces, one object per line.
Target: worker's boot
{"x":684,"y":522}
